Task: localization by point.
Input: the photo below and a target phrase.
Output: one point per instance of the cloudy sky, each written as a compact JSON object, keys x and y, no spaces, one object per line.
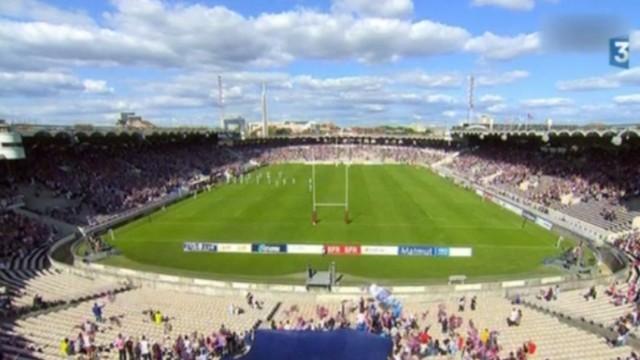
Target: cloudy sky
{"x":355,"y":62}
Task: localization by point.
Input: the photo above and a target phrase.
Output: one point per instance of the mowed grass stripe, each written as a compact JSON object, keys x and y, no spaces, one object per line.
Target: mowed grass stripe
{"x":395,"y":204}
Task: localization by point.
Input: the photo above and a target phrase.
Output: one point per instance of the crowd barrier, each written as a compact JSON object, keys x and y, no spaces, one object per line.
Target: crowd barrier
{"x":226,"y":287}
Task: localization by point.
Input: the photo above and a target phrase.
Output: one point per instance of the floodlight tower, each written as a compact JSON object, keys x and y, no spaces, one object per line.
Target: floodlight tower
{"x":221,"y":101}
{"x":470,"y":110}
{"x":265,"y":121}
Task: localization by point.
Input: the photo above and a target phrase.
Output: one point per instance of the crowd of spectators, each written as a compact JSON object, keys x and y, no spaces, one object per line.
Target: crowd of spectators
{"x":109,"y":179}
{"x":358,"y":153}
{"x":411,"y":337}
{"x":194,"y":346}
{"x":19,"y":234}
{"x":101,"y":178}
{"x":546,"y":175}
{"x":627,"y":292}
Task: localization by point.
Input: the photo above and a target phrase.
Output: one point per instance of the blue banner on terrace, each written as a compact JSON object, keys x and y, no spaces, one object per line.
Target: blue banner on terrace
{"x":316,"y":345}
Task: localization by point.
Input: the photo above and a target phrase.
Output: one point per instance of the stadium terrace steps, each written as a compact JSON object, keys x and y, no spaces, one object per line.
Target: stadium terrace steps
{"x":572,"y":303}
{"x":590,"y":212}
{"x":190,"y":313}
{"x":52,"y":286}
{"x":187,"y":313}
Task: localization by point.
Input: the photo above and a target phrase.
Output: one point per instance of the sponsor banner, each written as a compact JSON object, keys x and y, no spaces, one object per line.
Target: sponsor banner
{"x":353,"y":250}
{"x":544,"y":223}
{"x":404,"y":250}
{"x":269,"y":248}
{"x":342,"y":249}
{"x":379,"y":250}
{"x":417,"y":250}
{"x":460,"y":252}
{"x":199,"y":247}
{"x":529,"y":215}
{"x":234,"y":248}
{"x":305,"y":249}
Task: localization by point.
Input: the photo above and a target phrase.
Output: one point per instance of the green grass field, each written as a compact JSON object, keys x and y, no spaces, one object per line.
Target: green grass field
{"x":389,"y":205}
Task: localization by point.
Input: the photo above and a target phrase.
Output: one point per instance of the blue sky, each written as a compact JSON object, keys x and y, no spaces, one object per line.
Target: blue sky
{"x":353,"y":62}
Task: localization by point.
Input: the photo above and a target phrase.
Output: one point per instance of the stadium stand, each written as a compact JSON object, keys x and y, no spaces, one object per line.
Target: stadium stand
{"x":432,"y":328}
{"x":94,"y":179}
{"x":592,"y":183}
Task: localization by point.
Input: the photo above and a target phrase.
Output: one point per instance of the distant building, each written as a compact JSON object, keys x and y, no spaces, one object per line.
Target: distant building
{"x":10,"y":143}
{"x":131,"y":120}
{"x":235,"y":124}
{"x":291,"y":127}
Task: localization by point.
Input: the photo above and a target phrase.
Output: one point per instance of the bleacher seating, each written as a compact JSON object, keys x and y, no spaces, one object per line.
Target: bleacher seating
{"x":190,"y":313}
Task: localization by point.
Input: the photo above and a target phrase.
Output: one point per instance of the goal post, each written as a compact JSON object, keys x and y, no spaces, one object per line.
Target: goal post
{"x":314,"y":199}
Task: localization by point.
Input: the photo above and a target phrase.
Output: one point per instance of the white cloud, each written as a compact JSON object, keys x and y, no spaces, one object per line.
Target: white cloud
{"x":633,"y":99}
{"x":308,"y":34}
{"x":497,"y":108}
{"x":491,"y":46}
{"x":586,"y":84}
{"x":440,"y":99}
{"x":489,"y":99}
{"x":629,"y":76}
{"x":552,"y":102}
{"x":379,"y":8}
{"x":604,"y":82}
{"x":96,"y":87}
{"x":29,"y":83}
{"x":423,"y":79}
{"x":520,"y":5}
{"x":634,"y":40}
{"x":501,"y":78}
{"x":362,"y":83}
{"x":450,"y":114}
{"x":373,"y":108}
{"x":39,"y":11}
{"x":152,"y":32}
{"x":49,"y":42}
{"x":157,"y":33}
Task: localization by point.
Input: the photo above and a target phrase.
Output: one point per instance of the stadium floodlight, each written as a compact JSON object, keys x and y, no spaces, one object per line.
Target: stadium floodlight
{"x":617,"y":140}
{"x":545,"y":137}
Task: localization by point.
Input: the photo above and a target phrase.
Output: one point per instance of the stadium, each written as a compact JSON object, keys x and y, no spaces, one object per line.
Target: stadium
{"x":325,"y":225}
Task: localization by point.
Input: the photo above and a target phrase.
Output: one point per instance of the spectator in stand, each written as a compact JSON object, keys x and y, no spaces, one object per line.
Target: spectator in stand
{"x":591,"y":294}
{"x":119,"y":345}
{"x":145,"y":350}
{"x":97,"y":312}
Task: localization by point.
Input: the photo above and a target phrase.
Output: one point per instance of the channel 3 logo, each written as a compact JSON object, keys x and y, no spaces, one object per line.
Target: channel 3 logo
{"x":619,"y":51}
